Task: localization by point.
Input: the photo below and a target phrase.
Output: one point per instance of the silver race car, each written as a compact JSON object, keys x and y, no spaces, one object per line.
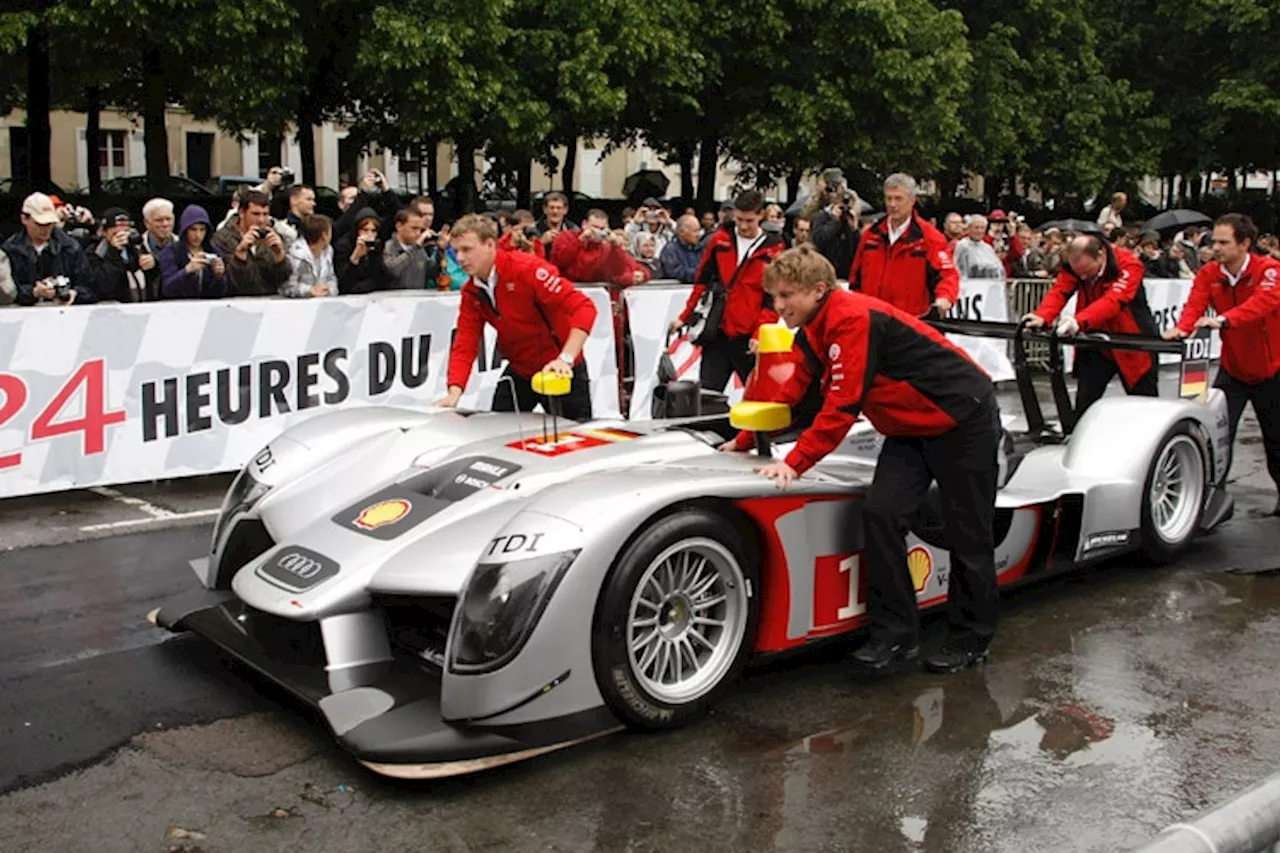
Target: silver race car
{"x":457,"y":590}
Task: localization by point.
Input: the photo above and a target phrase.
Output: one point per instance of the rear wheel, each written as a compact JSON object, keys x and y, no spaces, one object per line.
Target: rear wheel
{"x":1173,"y":500}
{"x":675,"y":620}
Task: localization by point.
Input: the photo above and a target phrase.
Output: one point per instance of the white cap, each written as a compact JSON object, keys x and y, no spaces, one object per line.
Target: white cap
{"x":40,"y":208}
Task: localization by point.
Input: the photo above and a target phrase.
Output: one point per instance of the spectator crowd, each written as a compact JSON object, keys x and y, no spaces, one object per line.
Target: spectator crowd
{"x":65,"y":255}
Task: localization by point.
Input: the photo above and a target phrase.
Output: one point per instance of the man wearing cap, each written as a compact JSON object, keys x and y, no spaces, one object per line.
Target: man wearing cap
{"x":42,"y":252}
{"x":835,"y":225}
{"x":904,"y":260}
{"x":120,"y":262}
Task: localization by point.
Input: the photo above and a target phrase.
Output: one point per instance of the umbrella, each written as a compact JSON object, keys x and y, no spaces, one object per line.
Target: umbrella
{"x":646,"y":182}
{"x":1082,"y":226}
{"x":1171,"y":219}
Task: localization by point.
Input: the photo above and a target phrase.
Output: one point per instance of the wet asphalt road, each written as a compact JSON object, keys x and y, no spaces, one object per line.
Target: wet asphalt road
{"x":1117,"y":701}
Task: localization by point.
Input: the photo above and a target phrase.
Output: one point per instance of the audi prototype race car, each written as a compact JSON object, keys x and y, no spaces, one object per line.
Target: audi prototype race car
{"x":455,"y":590}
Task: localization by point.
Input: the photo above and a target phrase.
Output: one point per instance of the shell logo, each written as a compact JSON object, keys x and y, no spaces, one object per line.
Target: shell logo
{"x":382,"y":513}
{"x":920,"y":564}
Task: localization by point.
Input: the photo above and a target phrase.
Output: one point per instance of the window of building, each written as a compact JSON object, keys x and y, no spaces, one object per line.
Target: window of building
{"x":411,"y":171}
{"x":270,"y":153}
{"x":112,"y":156}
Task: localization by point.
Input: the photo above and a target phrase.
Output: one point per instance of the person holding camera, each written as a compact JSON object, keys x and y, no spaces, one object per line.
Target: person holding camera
{"x":374,"y":192}
{"x":257,"y":262}
{"x":835,"y":227}
{"x":596,"y":254}
{"x":406,"y":256}
{"x":357,"y":257}
{"x":651,"y":218}
{"x":120,"y":261}
{"x":48,"y":265}
{"x":191,"y":268}
{"x":521,"y":235}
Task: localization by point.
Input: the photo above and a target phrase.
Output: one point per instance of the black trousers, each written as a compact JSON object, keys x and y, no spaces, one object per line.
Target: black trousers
{"x":723,"y":357}
{"x":964,"y":463}
{"x":576,"y":405}
{"x":1094,"y":370}
{"x":1265,"y":397}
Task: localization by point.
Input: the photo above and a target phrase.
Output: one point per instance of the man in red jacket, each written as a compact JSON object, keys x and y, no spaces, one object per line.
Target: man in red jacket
{"x":542,"y":321}
{"x":938,"y":412}
{"x":904,"y":260}
{"x":1107,"y":284}
{"x":732,"y":270}
{"x":596,"y":254}
{"x":1241,"y":287}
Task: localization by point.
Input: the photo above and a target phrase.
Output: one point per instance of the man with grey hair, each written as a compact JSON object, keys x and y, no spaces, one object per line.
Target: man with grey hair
{"x":975,"y":258}
{"x":157,"y":219}
{"x":904,"y":260}
{"x":679,"y":259}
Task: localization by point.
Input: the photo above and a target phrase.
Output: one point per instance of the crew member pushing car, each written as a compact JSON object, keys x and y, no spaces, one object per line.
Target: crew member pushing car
{"x":1107,"y":284}
{"x":938,"y":412}
{"x":1241,"y":289}
{"x":542,"y":321}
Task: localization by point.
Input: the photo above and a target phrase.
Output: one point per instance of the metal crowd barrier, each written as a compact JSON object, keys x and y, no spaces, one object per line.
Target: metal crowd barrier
{"x":1247,"y":823}
{"x":1023,"y":296}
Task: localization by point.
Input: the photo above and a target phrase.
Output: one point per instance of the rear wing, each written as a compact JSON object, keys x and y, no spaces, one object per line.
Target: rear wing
{"x":1194,"y":354}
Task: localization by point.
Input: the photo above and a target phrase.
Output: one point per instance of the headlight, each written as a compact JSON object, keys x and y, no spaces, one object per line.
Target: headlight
{"x":499,"y":608}
{"x":245,"y":491}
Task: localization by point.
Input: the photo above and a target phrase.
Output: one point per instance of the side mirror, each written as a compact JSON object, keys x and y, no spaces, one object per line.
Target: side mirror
{"x":761,"y":419}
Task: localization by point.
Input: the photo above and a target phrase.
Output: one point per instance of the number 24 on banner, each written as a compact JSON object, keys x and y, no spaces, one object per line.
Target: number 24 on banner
{"x":92,"y":425}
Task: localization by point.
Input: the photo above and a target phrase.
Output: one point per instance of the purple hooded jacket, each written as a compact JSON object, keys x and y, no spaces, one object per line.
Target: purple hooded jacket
{"x":175,"y":281}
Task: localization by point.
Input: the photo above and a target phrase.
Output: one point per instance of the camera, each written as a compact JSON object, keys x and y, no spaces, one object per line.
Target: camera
{"x":134,"y":244}
{"x":62,"y":287}
{"x":370,"y":244}
{"x":286,"y":176}
{"x":261,"y":233}
{"x":530,"y":232}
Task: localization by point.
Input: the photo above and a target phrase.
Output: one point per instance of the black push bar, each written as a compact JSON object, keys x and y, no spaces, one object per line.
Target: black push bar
{"x":1020,"y":334}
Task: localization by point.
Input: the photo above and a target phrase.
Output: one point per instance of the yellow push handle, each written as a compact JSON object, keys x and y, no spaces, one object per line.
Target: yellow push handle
{"x":775,"y":338}
{"x":760,"y":417}
{"x":551,"y":384}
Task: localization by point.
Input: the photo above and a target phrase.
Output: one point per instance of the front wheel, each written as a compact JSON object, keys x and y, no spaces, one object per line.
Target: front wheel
{"x":1173,"y":500}
{"x":675,"y":621}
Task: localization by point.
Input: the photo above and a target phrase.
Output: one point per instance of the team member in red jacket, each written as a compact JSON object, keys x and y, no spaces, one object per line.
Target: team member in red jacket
{"x":1107,"y":284}
{"x":904,"y":260}
{"x":938,"y":412}
{"x":734,"y":262}
{"x":542,"y":321}
{"x":1241,"y":289}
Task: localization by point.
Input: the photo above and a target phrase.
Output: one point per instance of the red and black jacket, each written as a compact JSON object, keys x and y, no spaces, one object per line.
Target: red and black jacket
{"x":746,"y":306}
{"x":876,"y":360}
{"x":1114,"y":301}
{"x":911,"y":273}
{"x":534,"y":312}
{"x":1251,"y":309}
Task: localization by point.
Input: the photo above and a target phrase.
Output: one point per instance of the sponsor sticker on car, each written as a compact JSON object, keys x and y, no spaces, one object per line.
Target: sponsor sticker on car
{"x":572,"y":442}
{"x":297,"y":569}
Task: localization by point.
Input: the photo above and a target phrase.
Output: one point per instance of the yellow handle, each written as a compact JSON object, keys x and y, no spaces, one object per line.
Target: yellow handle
{"x":760,"y":417}
{"x":551,"y":384}
{"x":775,"y":338}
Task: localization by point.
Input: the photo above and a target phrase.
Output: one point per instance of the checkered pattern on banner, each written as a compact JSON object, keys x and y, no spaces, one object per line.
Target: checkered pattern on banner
{"x":104,"y":394}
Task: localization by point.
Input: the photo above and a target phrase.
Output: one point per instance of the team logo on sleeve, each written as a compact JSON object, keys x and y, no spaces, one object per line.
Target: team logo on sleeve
{"x":542,"y":274}
{"x":1269,"y":278}
{"x":834,"y":352}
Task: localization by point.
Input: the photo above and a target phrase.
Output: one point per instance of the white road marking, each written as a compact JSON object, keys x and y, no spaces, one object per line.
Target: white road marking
{"x":135,"y":522}
{"x":137,"y":503}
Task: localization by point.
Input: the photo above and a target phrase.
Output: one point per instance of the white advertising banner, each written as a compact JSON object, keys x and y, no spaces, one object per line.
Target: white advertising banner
{"x":107,"y":394}
{"x":651,"y":309}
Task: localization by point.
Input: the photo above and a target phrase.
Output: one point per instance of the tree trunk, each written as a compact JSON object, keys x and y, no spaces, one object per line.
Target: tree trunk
{"x":308,"y":117}
{"x":432,"y":148}
{"x":708,"y":167}
{"x":466,"y":186}
{"x":93,"y":138}
{"x":39,"y":97}
{"x":570,"y":166}
{"x":684,"y":151}
{"x":793,"y":185}
{"x":155,"y":134}
{"x":524,"y":184}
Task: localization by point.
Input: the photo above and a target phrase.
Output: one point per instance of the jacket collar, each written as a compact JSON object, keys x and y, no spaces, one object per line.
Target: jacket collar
{"x":1110,"y":270}
{"x":914,"y":230}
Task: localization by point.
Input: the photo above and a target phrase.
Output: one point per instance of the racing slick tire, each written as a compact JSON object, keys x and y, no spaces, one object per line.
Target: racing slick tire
{"x":675,"y":621}
{"x":1174,"y":495}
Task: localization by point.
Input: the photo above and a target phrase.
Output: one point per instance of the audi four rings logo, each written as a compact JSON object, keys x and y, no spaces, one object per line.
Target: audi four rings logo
{"x":296,"y":569}
{"x":299,"y":565}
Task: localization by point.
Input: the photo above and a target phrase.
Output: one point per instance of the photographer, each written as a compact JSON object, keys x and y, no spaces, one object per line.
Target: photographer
{"x":122,"y":266}
{"x":357,"y":257}
{"x":191,"y":268}
{"x":1002,"y":237}
{"x":47,"y":265}
{"x":596,"y":254}
{"x":651,"y":218}
{"x":522,"y":235}
{"x":835,"y":227}
{"x":374,"y":192}
{"x":257,"y":264}
{"x":406,"y":259}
